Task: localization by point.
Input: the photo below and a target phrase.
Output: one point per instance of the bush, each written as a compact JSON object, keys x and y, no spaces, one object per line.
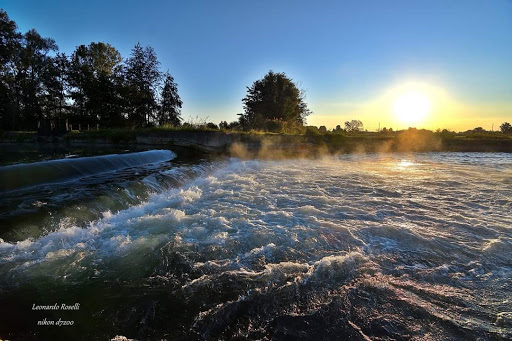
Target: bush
{"x":235,"y":125}
{"x":212,"y":126}
{"x":295,"y":128}
{"x":335,"y":140}
{"x":313,"y":135}
{"x":312,"y":130}
{"x":273,"y":126}
{"x":445,"y":133}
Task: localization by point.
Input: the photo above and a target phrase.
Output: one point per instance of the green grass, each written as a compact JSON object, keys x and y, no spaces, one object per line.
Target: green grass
{"x":165,"y":128}
{"x":129,"y":135}
{"x":483,"y":136}
{"x":18,"y":136}
{"x":117,"y":135}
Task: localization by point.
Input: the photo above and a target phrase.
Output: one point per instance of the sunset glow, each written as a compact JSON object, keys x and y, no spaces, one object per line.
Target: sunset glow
{"x":285,"y":170}
{"x":412,"y":107}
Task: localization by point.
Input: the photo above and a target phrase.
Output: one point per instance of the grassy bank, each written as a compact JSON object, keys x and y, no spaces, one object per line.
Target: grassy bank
{"x":312,"y":139}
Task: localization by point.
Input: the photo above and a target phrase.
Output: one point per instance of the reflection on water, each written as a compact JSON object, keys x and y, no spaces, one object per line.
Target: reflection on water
{"x":403,"y":164}
{"x":357,"y":246}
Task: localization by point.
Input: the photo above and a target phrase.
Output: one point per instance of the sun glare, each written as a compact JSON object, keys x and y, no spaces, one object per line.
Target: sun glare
{"x":411,"y":107}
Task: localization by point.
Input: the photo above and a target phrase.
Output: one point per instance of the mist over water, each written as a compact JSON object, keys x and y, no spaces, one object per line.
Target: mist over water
{"x":391,"y":246}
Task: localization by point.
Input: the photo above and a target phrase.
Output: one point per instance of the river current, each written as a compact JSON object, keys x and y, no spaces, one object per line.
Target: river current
{"x":360,"y":247}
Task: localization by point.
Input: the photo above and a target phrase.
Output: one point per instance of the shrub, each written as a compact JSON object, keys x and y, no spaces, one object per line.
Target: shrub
{"x":313,"y":135}
{"x":211,"y":125}
{"x":223,"y":125}
{"x":273,"y":126}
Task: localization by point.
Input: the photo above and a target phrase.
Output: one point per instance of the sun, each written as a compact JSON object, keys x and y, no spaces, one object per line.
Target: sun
{"x":412,"y":106}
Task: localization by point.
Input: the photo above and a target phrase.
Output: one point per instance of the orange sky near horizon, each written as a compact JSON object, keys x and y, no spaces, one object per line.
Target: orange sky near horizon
{"x":444,"y":111}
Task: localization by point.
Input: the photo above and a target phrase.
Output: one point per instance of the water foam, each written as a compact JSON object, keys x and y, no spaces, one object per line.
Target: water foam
{"x":304,"y":239}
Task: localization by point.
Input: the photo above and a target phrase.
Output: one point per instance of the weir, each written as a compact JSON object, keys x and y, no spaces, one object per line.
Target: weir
{"x":21,"y":176}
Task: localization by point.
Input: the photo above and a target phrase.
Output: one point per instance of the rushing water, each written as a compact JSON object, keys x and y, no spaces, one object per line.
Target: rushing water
{"x":392,"y":246}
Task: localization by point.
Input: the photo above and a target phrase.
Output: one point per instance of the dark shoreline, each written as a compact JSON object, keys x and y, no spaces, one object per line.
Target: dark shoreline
{"x":270,"y":145}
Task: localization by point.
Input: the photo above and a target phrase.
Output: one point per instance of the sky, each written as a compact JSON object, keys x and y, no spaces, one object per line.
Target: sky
{"x":354,"y":59}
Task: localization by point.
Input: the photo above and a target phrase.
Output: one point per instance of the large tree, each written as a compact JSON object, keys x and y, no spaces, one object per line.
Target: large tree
{"x":170,"y":106}
{"x":506,"y":128}
{"x":354,"y":125}
{"x":10,"y":45}
{"x":274,"y":97}
{"x":55,"y":87}
{"x":143,"y":78}
{"x":9,"y":39}
{"x":93,"y":76}
{"x":30,"y":66}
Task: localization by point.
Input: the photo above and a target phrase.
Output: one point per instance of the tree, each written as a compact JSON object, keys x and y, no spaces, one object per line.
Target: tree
{"x":478,"y":130}
{"x":235,"y":125}
{"x":92,"y":85}
{"x":55,"y":89}
{"x":103,"y":58}
{"x":143,"y":77}
{"x":10,"y":92}
{"x":9,"y":39}
{"x":93,"y":74}
{"x":223,"y":125}
{"x":353,"y":126}
{"x":506,"y":128}
{"x":32,"y":63}
{"x":170,"y":106}
{"x":274,"y":97}
{"x":211,"y":125}
{"x":79,"y":77}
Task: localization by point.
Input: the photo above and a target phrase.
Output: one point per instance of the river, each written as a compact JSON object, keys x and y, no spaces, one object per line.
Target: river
{"x":152,"y":245}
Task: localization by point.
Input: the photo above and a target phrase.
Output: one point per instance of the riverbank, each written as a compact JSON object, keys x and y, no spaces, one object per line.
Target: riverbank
{"x":270,"y":144}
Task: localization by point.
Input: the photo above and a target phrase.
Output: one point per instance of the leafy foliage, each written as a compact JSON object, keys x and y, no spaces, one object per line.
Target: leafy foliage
{"x":353,"y":126}
{"x":142,"y":77}
{"x":170,"y":109}
{"x":273,"y":98}
{"x":93,"y":86}
{"x":92,"y":76}
{"x":506,"y":128}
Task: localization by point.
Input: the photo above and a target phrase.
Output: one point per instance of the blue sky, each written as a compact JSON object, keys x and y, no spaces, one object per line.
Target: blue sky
{"x":345,"y":54}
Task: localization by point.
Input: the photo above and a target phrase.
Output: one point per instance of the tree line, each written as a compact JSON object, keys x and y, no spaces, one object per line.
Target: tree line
{"x":94,"y":85}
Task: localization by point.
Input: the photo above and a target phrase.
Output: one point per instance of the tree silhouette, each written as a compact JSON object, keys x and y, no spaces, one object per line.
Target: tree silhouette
{"x":506,"y":128}
{"x":143,"y":76}
{"x":54,"y":79}
{"x":32,"y":63}
{"x":223,"y":125}
{"x":354,"y":125}
{"x":10,"y":90}
{"x":170,"y":106}
{"x":92,"y":77}
{"x":274,"y":97}
{"x":90,"y":86}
